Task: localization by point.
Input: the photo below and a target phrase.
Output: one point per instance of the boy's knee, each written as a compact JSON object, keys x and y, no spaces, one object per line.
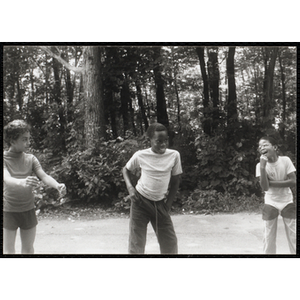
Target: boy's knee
{"x":269,"y":212}
{"x":8,"y":250}
{"x":27,"y":250}
{"x":289,"y":211}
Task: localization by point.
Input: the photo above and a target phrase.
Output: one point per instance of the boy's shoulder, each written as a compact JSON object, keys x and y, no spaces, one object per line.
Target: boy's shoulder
{"x":142,"y":151}
{"x":285,"y":159}
{"x":149,"y":151}
{"x":171,"y":151}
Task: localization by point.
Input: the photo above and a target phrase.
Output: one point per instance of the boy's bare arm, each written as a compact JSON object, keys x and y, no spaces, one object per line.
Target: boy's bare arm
{"x":290,"y":182}
{"x":174,"y":185}
{"x":50,"y":181}
{"x":264,"y":181}
{"x":130,"y":187}
{"x":28,"y":181}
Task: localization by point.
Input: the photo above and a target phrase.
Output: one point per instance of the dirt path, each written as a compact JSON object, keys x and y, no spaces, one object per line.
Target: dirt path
{"x":197,"y":234}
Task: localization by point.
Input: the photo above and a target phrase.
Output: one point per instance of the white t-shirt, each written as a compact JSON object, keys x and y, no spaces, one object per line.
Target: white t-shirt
{"x":278,"y":171}
{"x":156,"y":171}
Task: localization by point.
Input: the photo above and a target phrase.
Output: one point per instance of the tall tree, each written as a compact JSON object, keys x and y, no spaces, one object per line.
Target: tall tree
{"x":125,"y":105}
{"x":58,"y":99}
{"x":214,"y":77}
{"x":162,"y":116}
{"x":270,"y":55}
{"x":112,"y":76}
{"x":141,"y":103}
{"x":94,"y":121}
{"x":282,"y":77}
{"x":206,"y":121}
{"x":231,"y":101}
{"x":174,"y":75}
{"x":94,"y":125}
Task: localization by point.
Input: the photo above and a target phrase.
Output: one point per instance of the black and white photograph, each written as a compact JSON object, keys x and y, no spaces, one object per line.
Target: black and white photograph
{"x":149,"y":149}
{"x":149,"y":128}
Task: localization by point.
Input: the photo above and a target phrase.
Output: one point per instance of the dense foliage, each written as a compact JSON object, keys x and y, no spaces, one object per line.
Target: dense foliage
{"x":216,"y":102}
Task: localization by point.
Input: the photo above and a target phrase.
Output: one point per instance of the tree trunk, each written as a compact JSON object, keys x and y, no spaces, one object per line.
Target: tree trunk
{"x":94,"y":125}
{"x":110,"y":112}
{"x":282,"y":71}
{"x":231,"y":105}
{"x":175,"y":71}
{"x":19,"y":95}
{"x":92,"y":87}
{"x":47,"y":74}
{"x":32,"y":85}
{"x":257,"y":99}
{"x":270,"y":59}
{"x":131,"y":111}
{"x":178,"y":101}
{"x":214,"y":77}
{"x":124,"y":106}
{"x":57,"y":86}
{"x":57,"y":97}
{"x":206,"y":122}
{"x":162,"y":116}
{"x":141,"y":105}
{"x":69,"y":90}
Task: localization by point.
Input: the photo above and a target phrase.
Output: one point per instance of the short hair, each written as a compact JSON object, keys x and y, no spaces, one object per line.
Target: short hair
{"x":269,"y":139}
{"x":155,"y":127}
{"x":14,"y":129}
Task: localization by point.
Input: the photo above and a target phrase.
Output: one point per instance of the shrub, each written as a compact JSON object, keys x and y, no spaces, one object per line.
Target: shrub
{"x":203,"y":201}
{"x":225,"y":167}
{"x":96,"y":174}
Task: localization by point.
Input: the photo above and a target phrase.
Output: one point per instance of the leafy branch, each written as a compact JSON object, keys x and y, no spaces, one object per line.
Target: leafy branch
{"x":62,"y":61}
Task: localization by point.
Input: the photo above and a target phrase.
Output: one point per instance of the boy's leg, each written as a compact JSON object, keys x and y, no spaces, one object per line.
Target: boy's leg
{"x":289,"y":219}
{"x":9,"y":240}
{"x":165,"y":232}
{"x":269,"y":240}
{"x":270,"y":217}
{"x":10,"y":227}
{"x":27,"y":239}
{"x":139,"y":220}
{"x":28,"y":231}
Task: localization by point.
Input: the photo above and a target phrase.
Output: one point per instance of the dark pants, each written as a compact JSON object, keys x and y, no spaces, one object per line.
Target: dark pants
{"x":141,"y":212}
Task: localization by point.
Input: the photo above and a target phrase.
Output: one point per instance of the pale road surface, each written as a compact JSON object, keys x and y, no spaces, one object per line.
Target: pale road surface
{"x":239,"y":233}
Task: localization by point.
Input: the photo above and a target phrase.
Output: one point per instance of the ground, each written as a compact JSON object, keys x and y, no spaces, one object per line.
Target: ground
{"x":99,"y":232}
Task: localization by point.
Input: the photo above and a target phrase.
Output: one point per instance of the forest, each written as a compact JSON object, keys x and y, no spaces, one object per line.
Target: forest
{"x":89,"y":107}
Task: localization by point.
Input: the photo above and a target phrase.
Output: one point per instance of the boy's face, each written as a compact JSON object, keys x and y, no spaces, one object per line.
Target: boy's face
{"x":159,"y":142}
{"x":266,"y":148}
{"x":22,"y":143}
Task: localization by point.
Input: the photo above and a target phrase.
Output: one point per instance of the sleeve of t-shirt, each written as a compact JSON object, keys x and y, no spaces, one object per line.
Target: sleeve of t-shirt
{"x":35,"y":164}
{"x":133,"y":162}
{"x":289,"y":166}
{"x":258,"y":170}
{"x":4,"y":165}
{"x":177,"y":169}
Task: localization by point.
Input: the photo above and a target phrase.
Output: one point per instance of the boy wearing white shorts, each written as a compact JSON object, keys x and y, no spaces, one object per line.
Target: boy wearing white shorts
{"x":276,"y":175}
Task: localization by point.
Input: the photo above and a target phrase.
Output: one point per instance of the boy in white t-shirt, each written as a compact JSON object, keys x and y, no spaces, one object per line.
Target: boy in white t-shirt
{"x":276,"y":175}
{"x":152,"y":197}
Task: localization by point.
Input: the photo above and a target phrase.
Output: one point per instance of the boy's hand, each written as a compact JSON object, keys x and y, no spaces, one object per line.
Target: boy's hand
{"x":263,"y":160}
{"x":31,"y":181}
{"x":132,"y":193}
{"x":168,"y":207}
{"x":62,"y":189}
